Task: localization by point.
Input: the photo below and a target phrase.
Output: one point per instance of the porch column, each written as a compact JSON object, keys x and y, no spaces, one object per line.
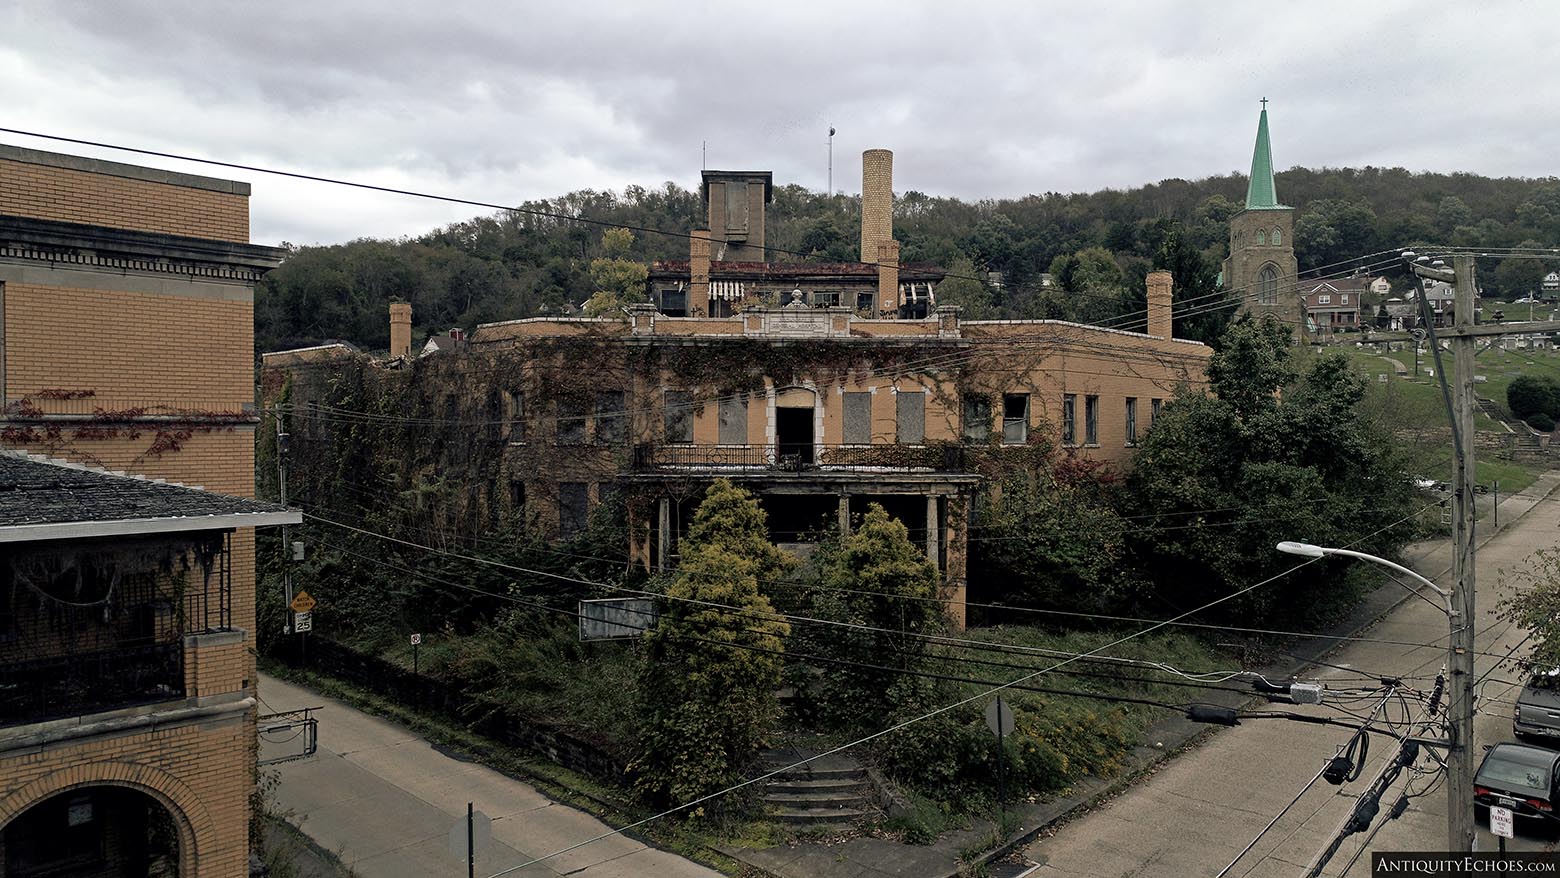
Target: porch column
{"x":957,"y":535}
{"x":844,"y":514}
{"x":664,"y":549}
{"x":933,"y":534}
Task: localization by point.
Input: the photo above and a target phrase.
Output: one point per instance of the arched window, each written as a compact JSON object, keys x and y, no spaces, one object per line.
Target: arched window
{"x":1261,"y":238}
{"x":1267,"y":286}
{"x":1278,"y":237}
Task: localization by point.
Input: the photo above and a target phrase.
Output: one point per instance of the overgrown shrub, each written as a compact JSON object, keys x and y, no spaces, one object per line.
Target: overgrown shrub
{"x":707,"y":684}
{"x":1533,"y":394}
{"x":1540,"y":421}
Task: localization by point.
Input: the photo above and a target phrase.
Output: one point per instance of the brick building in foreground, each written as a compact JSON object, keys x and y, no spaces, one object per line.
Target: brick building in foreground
{"x":127,"y":604}
{"x":818,"y":408}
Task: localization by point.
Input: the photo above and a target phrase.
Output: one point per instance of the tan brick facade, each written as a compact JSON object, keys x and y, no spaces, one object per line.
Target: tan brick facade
{"x":141,"y":360}
{"x":79,"y":196}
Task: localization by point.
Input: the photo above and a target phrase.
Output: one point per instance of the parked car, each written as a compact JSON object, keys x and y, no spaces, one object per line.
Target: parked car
{"x":1537,"y":714}
{"x":1521,"y":777}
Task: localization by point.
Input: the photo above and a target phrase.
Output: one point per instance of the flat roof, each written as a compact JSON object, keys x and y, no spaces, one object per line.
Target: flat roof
{"x":120,"y":169}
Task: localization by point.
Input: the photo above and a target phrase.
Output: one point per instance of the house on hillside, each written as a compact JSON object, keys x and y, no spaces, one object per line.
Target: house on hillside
{"x":1333,"y":305}
{"x":819,"y":388}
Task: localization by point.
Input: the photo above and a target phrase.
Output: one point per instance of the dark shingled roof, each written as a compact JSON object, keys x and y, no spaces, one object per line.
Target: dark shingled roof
{"x":36,"y":491}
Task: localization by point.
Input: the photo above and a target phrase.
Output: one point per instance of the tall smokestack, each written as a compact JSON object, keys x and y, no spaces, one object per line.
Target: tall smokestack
{"x":400,"y":329}
{"x":877,"y":201}
{"x":1160,"y":290}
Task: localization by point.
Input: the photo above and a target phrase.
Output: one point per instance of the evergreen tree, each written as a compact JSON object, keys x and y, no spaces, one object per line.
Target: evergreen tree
{"x":707,"y":683}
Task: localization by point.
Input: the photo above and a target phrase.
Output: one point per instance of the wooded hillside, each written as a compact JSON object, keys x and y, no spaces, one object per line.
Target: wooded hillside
{"x":514,"y":265}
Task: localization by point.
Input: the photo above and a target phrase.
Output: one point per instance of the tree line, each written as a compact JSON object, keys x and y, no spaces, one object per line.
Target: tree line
{"x":1094,"y":247}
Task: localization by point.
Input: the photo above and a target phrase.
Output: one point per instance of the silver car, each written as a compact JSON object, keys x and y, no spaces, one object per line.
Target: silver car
{"x":1537,"y":714}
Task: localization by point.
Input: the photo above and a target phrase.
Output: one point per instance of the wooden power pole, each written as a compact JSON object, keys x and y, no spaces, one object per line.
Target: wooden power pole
{"x":1459,"y":765}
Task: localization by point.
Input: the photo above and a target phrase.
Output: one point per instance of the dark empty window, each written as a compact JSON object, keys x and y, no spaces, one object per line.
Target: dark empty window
{"x":865,"y":304}
{"x":1091,"y":420}
{"x":910,"y":416}
{"x":573,"y":508}
{"x":517,"y":496}
{"x":825,"y":298}
{"x":1131,"y":420}
{"x":678,"y":416}
{"x":1069,"y":419}
{"x":733,"y":420}
{"x":610,"y":417}
{"x":1015,"y":419}
{"x":977,"y":419}
{"x":674,"y":302}
{"x":1153,"y":411}
{"x":571,"y":422}
{"x":516,"y":416}
{"x":856,"y":417}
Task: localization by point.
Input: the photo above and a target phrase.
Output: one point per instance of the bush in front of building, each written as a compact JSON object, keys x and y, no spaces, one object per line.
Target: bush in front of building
{"x":1540,"y":421}
{"x":707,"y":682}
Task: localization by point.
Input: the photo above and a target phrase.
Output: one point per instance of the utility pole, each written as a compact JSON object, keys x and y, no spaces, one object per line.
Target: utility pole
{"x":1459,"y":766}
{"x":283,"y":440}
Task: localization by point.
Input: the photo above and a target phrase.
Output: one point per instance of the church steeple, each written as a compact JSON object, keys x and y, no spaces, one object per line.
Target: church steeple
{"x":1261,"y":194}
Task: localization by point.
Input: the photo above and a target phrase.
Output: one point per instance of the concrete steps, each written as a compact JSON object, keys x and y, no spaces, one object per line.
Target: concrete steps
{"x":830,"y":791}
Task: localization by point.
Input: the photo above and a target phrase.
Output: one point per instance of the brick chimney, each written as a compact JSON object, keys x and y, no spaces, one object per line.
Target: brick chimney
{"x":877,"y":204}
{"x":699,"y":273}
{"x":1159,"y":295}
{"x":888,"y":277}
{"x":400,"y":329}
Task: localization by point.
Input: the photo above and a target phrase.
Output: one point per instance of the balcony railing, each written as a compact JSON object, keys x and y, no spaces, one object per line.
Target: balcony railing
{"x":80,"y":683}
{"x":799,"y":457}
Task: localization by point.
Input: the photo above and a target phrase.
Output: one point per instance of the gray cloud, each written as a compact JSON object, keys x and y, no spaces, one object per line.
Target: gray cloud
{"x":503,"y":102}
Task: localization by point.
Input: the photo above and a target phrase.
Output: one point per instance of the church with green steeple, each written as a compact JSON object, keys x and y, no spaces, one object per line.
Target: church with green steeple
{"x":1261,"y":271}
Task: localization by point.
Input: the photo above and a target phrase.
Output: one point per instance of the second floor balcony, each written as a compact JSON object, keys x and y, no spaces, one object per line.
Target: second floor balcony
{"x":797,"y":457}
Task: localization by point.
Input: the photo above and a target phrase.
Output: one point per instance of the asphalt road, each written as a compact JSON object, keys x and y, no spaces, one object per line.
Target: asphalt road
{"x":1196,"y":813}
{"x":384,"y":801}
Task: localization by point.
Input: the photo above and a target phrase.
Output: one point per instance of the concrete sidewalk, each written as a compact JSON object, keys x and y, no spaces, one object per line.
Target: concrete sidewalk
{"x":384,"y":801}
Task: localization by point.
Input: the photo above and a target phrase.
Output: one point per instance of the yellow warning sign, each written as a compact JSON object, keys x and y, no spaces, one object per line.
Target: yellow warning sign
{"x":302,"y":602}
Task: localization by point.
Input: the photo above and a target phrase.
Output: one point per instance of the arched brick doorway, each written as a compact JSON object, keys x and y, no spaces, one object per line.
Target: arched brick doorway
{"x":103,"y":831}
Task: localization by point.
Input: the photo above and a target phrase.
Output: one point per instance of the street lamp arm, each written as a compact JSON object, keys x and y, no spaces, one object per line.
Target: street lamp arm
{"x":1395,"y":566}
{"x":1307,"y":550}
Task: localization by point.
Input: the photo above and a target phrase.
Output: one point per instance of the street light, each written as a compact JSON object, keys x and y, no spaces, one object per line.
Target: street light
{"x":1306,"y":550}
{"x":1460,"y":709}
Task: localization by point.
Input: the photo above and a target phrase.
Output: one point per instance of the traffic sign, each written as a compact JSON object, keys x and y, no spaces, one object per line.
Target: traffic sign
{"x":999,"y":717}
{"x":1501,"y":822}
{"x":417,"y":640}
{"x":302,"y":602}
{"x":303,"y":623}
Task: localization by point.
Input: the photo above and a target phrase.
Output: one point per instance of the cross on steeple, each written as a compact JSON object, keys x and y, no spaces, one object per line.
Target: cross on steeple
{"x":1264,"y":103}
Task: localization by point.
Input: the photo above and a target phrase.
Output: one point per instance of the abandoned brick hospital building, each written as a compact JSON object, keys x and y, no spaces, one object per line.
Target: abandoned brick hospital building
{"x":818,"y":387}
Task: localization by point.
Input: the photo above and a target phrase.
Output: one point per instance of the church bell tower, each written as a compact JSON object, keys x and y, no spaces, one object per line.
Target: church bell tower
{"x":1261,"y":272}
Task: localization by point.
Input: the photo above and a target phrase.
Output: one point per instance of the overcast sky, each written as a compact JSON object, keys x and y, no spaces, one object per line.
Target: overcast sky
{"x":504,"y":102}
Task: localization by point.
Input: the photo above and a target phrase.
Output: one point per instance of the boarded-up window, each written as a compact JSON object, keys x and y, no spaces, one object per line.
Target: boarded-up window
{"x":736,"y":208}
{"x":609,"y":417}
{"x":977,"y":419}
{"x":910,"y":416}
{"x":573,"y":508}
{"x":571,"y":422}
{"x":678,"y":416}
{"x":856,"y":415}
{"x":1015,"y":418}
{"x":733,"y":421}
